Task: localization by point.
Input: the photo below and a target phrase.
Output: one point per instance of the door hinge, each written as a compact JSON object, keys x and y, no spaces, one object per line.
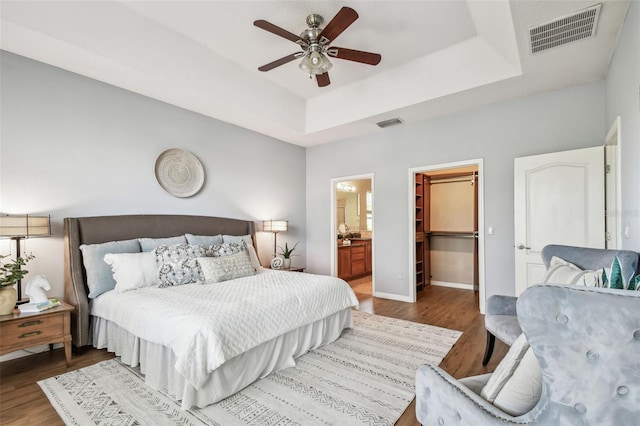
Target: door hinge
{"x":607,"y":168}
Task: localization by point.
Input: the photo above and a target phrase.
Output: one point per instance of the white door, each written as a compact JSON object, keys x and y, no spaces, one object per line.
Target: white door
{"x":559,"y":199}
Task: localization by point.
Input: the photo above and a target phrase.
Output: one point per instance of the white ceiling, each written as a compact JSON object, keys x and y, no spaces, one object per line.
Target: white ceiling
{"x":438,"y":57}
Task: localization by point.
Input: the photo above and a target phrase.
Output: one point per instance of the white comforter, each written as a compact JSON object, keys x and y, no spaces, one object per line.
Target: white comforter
{"x":208,"y":324}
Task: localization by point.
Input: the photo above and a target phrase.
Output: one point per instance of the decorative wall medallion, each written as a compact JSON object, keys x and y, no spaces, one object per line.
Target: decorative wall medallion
{"x":179,"y":172}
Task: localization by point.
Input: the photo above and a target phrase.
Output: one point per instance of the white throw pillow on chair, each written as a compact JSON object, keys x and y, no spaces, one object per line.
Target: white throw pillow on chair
{"x":516,"y":384}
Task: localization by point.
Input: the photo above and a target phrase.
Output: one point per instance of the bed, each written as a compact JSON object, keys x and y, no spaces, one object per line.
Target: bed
{"x":201,"y":342}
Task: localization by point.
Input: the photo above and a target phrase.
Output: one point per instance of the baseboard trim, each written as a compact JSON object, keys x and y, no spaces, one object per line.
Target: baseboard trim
{"x":391,"y":296}
{"x":452,"y":285}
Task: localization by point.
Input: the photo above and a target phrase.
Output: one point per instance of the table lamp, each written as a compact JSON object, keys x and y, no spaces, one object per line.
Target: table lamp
{"x":21,"y":226}
{"x":275,"y":226}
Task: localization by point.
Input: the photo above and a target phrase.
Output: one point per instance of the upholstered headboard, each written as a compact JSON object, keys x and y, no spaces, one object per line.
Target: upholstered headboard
{"x":102,"y":229}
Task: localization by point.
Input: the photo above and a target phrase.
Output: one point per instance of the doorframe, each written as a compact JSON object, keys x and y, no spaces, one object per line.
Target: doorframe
{"x":612,"y":142}
{"x":334,"y":225}
{"x":479,"y":162}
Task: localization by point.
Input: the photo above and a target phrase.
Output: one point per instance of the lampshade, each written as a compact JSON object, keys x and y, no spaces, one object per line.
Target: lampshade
{"x":315,"y":63}
{"x":275,"y":225}
{"x":24,"y":226}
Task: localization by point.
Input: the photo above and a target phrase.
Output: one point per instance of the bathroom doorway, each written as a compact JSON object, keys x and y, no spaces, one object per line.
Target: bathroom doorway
{"x":352,"y":248}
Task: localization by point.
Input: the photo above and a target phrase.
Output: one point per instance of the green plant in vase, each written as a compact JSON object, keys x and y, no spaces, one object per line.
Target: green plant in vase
{"x":286,"y":253}
{"x":11,"y":273}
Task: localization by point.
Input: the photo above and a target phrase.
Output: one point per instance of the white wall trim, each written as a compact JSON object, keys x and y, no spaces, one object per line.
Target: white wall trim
{"x":412,"y":223}
{"x":334,"y":226}
{"x":452,"y":285}
{"x":614,"y":139}
{"x":396,"y":297}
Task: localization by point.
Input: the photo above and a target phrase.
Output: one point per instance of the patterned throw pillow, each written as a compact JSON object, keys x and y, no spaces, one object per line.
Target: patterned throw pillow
{"x":177,"y":264}
{"x":223,"y":268}
{"x":226,"y":249}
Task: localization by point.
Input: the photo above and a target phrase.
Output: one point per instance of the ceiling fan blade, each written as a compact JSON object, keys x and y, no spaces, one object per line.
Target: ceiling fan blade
{"x":281,"y":61}
{"x":274,"y":29}
{"x":354,"y":55}
{"x":345,"y":17}
{"x":323,"y":79}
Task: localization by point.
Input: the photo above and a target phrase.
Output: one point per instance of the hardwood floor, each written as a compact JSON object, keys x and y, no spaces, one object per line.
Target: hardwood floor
{"x":361,"y":286}
{"x":23,"y":403}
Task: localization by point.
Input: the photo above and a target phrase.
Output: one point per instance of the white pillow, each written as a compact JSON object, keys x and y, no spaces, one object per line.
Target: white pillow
{"x":253,"y":256}
{"x":563,"y":272}
{"x":218,"y":269}
{"x":505,"y":369}
{"x":516,"y":384}
{"x":132,"y":270}
{"x":522,"y":391}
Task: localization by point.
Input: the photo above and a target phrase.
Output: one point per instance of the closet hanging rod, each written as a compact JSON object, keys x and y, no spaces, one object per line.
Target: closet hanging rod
{"x":470,"y":178}
{"x":452,"y":234}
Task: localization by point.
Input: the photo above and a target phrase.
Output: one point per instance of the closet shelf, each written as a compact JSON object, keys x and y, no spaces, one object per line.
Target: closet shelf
{"x":459,"y":234}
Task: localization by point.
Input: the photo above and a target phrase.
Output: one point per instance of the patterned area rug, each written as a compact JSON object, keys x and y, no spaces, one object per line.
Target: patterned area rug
{"x":366,"y":377}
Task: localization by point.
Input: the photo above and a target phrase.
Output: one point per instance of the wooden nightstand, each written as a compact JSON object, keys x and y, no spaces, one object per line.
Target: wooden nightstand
{"x":25,"y":330}
{"x":292,"y":269}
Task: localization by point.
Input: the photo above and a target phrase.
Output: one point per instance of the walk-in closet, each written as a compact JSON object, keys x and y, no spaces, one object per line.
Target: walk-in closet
{"x":447,"y":228}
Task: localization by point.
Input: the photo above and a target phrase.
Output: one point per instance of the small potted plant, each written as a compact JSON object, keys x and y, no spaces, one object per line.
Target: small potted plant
{"x":286,"y":253}
{"x":10,"y":273}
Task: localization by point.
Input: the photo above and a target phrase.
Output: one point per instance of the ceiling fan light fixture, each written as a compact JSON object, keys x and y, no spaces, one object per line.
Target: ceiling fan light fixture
{"x":315,"y":63}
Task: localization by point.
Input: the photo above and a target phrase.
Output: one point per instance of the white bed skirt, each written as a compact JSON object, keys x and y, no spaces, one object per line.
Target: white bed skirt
{"x":157,"y":361}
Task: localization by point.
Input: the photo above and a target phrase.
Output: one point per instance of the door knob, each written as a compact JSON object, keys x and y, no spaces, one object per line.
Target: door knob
{"x":522,"y":247}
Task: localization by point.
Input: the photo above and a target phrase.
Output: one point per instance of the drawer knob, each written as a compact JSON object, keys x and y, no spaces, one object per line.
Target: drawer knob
{"x":32,"y":333}
{"x":30,"y":323}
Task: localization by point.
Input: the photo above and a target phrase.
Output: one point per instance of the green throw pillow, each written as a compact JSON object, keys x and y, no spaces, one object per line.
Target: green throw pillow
{"x":614,"y":278}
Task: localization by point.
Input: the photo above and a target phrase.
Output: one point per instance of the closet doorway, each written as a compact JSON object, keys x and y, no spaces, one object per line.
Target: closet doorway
{"x":446,"y":236}
{"x":352,"y":231}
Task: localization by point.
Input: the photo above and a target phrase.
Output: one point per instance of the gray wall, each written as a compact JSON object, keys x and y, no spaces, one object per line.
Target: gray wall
{"x":555,"y":121}
{"x":623,"y":99}
{"x":72,"y":146}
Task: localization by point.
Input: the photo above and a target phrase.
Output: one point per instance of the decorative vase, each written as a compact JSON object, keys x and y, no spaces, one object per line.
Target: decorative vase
{"x":287,"y":263}
{"x":8,"y":299}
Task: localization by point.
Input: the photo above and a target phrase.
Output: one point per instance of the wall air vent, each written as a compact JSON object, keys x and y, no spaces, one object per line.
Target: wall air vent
{"x":574,"y":27}
{"x":390,"y":122}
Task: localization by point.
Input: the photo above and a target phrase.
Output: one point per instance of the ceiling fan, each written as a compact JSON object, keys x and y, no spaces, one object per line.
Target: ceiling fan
{"x":315,"y":42}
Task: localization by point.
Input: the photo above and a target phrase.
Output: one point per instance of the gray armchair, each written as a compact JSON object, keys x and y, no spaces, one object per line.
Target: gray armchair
{"x":587,"y":344}
{"x":500,"y":315}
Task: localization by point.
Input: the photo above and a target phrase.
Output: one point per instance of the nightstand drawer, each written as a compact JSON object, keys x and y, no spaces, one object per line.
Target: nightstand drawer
{"x":32,"y":329}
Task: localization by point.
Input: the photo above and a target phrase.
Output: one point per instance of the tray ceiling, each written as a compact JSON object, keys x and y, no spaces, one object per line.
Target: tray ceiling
{"x":438,"y":57}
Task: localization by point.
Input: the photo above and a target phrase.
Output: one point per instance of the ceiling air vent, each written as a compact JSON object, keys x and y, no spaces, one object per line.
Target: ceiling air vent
{"x":567,"y":29}
{"x":389,"y":123}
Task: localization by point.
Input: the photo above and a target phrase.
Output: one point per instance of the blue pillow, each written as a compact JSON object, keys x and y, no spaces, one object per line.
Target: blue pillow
{"x":99,"y":274}
{"x":149,"y":244}
{"x":204,"y":240}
